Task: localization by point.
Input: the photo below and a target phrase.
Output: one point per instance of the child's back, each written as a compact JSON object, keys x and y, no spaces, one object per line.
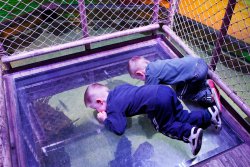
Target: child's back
{"x":171,"y":71}
{"x":159,"y":102}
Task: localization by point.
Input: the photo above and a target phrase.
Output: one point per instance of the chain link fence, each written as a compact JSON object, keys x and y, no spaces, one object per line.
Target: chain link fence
{"x":29,"y":25}
{"x":219,"y":29}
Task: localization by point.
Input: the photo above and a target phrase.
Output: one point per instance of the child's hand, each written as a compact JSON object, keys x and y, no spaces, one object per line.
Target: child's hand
{"x":101,"y":116}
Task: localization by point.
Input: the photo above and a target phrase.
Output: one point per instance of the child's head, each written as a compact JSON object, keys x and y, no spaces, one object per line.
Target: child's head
{"x":95,"y":97}
{"x":137,"y":66}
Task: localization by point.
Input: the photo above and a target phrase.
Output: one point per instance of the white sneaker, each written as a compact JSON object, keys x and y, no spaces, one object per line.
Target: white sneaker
{"x":195,"y":140}
{"x":215,"y":117}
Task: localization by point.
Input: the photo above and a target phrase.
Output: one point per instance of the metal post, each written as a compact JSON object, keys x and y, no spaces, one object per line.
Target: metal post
{"x":222,"y":33}
{"x":173,"y":9}
{"x":3,"y":53}
{"x":155,"y":14}
{"x":178,"y":40}
{"x":5,"y":159}
{"x":156,"y":11}
{"x":84,"y":21}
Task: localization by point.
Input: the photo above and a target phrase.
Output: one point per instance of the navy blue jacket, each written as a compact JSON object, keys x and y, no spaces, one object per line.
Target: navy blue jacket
{"x":128,"y":100}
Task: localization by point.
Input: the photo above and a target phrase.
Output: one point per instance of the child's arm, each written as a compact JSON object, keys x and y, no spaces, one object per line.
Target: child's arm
{"x":116,"y":123}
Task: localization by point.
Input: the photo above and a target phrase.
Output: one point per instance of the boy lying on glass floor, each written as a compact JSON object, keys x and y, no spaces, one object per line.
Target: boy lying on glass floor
{"x":188,"y":74}
{"x":161,"y":105}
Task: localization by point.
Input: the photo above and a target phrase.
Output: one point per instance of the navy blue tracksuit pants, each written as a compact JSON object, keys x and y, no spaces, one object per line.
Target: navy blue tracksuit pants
{"x":175,"y":122}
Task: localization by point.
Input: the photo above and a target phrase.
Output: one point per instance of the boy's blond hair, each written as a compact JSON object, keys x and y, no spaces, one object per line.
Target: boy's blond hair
{"x":135,"y":64}
{"x":92,"y":92}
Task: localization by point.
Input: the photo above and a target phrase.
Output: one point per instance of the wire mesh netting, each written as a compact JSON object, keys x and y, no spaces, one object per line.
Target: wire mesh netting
{"x":206,"y":27}
{"x":29,"y":25}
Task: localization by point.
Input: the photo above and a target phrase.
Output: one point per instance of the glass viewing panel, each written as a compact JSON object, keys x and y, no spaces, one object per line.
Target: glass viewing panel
{"x":56,"y":129}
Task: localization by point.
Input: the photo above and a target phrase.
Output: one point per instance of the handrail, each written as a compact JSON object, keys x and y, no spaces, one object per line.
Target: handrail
{"x":89,"y":40}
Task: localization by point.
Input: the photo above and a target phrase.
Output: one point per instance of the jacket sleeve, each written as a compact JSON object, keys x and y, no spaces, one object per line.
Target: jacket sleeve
{"x":152,"y":77}
{"x":151,"y":80}
{"x":116,"y":123}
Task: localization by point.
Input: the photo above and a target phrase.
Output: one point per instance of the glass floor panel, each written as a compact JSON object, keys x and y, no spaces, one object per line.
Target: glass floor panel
{"x":141,"y":145}
{"x":54,"y":128}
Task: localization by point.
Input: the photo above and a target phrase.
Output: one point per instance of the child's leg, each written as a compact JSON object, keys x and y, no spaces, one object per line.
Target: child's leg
{"x":197,"y":92}
{"x":166,"y":118}
{"x":207,"y":94}
{"x":199,"y":89}
{"x":201,"y":71}
{"x":177,"y":130}
{"x":186,"y":133}
{"x":200,"y":118}
{"x":171,"y":108}
{"x":191,"y":88}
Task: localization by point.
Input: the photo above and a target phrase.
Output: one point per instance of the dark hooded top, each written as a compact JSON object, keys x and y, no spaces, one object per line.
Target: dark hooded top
{"x":128,"y":100}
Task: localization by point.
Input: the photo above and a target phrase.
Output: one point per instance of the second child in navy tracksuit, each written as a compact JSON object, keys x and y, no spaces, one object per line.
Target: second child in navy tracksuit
{"x":161,"y":105}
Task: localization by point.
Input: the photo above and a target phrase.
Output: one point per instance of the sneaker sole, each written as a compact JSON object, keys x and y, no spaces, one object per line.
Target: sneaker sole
{"x":216,"y":94}
{"x":199,"y":142}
